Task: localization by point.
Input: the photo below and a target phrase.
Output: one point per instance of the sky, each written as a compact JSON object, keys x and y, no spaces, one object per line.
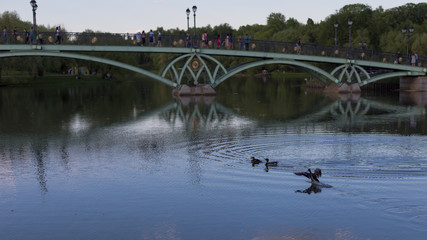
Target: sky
{"x":135,"y":15}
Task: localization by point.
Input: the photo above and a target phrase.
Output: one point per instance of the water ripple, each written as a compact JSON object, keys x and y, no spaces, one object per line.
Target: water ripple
{"x":339,"y":155}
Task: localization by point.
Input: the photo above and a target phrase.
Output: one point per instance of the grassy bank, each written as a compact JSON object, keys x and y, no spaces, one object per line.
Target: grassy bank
{"x":51,"y":79}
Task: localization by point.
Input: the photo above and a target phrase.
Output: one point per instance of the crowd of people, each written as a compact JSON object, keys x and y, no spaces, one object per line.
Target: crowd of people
{"x":219,"y":42}
{"x":412,"y":59}
{"x":151,"y":39}
{"x":141,"y":39}
{"x":28,"y":37}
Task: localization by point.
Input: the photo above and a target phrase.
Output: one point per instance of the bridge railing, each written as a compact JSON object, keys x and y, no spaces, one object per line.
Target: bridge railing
{"x":129,"y":39}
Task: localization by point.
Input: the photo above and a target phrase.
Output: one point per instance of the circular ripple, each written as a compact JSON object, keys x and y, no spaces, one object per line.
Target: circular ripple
{"x":338,"y":155}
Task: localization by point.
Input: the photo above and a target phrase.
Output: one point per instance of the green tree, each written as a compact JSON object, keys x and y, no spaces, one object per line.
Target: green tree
{"x":222,"y":29}
{"x":276,"y":22}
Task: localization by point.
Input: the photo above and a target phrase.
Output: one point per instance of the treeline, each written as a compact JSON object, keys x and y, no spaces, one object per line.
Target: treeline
{"x":380,"y":29}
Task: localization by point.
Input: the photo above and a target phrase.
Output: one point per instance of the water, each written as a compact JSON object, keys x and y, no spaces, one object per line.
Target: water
{"x":123,"y":161}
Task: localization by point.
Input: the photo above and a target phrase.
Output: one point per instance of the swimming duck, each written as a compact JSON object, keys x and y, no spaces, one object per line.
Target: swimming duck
{"x":312,"y":176}
{"x":270,"y":164}
{"x":255,"y":161}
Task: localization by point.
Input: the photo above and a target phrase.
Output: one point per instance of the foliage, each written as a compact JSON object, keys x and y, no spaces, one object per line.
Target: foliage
{"x":276,"y":22}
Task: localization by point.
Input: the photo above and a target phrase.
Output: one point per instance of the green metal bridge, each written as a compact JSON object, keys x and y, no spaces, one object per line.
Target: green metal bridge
{"x":199,"y":65}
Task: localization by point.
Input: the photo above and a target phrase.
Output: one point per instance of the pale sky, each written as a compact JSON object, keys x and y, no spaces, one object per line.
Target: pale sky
{"x":134,"y":15}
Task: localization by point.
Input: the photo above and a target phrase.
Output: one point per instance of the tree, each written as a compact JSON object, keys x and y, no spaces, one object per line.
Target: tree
{"x":292,"y":23}
{"x":222,"y":29}
{"x":276,"y":22}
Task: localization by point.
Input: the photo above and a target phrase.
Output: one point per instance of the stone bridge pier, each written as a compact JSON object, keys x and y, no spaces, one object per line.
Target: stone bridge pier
{"x":413,"y":84}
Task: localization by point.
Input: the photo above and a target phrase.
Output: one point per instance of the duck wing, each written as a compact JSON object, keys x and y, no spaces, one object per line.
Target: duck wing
{"x":305,"y":174}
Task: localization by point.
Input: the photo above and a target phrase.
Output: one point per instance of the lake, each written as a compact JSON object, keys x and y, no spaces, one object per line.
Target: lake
{"x":125,"y":160}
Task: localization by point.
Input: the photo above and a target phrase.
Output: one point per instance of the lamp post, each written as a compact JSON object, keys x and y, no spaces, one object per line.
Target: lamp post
{"x":408,"y":35}
{"x":350,"y":22}
{"x":188,"y":19}
{"x":34,"y":6}
{"x":336,"y":29}
{"x":194,"y":11}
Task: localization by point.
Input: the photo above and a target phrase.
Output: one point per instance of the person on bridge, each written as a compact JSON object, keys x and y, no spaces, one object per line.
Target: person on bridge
{"x":15,"y":35}
{"x":58,"y":35}
{"x":143,"y":38}
{"x":31,"y":35}
{"x":246,"y":38}
{"x":39,"y":38}
{"x":299,"y":46}
{"x":398,"y":57}
{"x":159,"y":39}
{"x":27,"y":36}
{"x":218,"y":42}
{"x":413,"y":60}
{"x":151,"y":38}
{"x":5,"y":35}
{"x":416,"y":58}
{"x":205,"y":40}
{"x":138,"y":38}
{"x":188,"y":40}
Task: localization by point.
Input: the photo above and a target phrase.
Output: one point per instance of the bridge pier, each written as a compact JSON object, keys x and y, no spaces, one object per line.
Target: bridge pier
{"x":415,"y":84}
{"x":345,"y":88}
{"x":201,"y":89}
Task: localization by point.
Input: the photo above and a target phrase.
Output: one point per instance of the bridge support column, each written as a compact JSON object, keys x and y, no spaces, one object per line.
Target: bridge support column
{"x":201,"y":89}
{"x":413,"y":84}
{"x":345,"y":88}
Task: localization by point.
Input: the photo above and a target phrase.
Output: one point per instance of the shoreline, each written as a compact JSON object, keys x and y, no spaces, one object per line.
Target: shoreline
{"x":25,"y":80}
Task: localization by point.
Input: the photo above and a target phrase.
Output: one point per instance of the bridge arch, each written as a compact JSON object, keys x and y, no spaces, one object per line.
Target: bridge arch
{"x":89,"y":58}
{"x":324,"y":76}
{"x":194,"y":64}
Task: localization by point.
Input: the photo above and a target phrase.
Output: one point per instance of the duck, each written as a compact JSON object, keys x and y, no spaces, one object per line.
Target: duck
{"x":270,"y":164}
{"x":314,"y":177}
{"x":255,"y":161}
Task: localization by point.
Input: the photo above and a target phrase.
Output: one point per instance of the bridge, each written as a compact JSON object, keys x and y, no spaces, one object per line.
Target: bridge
{"x":198,"y":65}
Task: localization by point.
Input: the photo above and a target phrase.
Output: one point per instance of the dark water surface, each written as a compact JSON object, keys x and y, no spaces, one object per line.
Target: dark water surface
{"x":123,"y":161}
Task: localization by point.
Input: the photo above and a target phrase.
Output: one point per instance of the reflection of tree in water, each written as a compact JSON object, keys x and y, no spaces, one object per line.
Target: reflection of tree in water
{"x":151,"y":148}
{"x":39,"y":150}
{"x":194,"y":168}
{"x":46,"y":109}
{"x":65,"y":156}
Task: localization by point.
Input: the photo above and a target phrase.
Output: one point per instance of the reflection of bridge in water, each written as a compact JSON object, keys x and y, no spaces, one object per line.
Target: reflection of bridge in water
{"x":344,"y":112}
{"x":204,"y":111}
{"x":360,"y":110}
